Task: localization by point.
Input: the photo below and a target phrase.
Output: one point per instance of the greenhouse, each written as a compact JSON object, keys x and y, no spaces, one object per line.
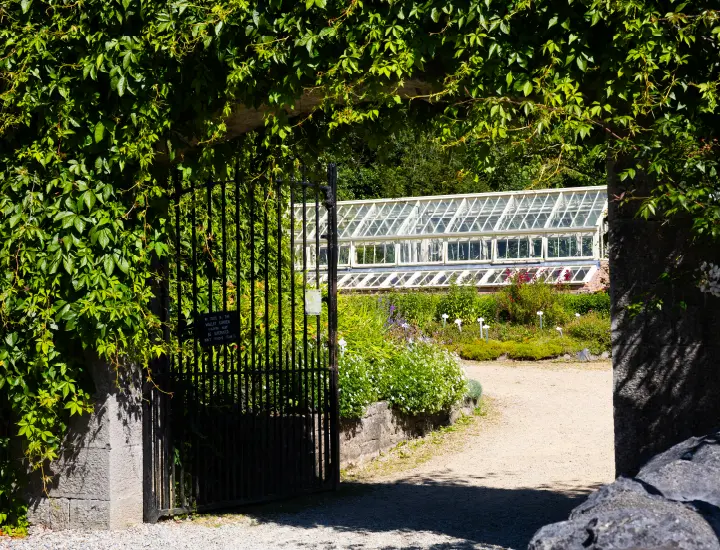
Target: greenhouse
{"x":554,"y":235}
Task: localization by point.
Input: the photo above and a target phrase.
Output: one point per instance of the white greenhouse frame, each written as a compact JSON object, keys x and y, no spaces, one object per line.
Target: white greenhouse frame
{"x":479,"y":239}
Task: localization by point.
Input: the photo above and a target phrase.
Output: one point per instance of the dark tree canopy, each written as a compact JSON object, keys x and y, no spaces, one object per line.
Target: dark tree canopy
{"x":400,"y":156}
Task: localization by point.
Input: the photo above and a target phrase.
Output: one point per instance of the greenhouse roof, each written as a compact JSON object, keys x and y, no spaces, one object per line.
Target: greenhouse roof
{"x":477,"y":213}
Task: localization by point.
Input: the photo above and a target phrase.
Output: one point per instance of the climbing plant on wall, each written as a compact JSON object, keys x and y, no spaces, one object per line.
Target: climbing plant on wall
{"x":99,"y":97}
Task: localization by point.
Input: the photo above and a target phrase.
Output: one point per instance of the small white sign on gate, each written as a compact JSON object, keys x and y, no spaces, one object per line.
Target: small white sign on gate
{"x":313,"y":302}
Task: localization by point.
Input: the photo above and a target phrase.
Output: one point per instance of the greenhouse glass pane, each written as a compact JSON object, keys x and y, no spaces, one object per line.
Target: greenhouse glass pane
{"x":580,"y":209}
{"x":349,"y":223}
{"x":537,"y":248}
{"x":375,"y":253}
{"x":587,"y":246}
{"x":480,"y":250}
{"x":493,"y":218}
{"x":502,"y":248}
{"x":464,"y":251}
{"x":453,"y":251}
{"x":433,"y":251}
{"x":565,"y":246}
{"x":387,"y":219}
{"x":524,"y":251}
{"x":436,"y":216}
{"x":580,"y":274}
{"x":474,"y":214}
{"x":344,"y":254}
{"x":410,"y":252}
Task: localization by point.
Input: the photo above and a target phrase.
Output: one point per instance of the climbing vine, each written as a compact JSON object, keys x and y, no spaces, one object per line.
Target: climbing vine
{"x":98,"y":98}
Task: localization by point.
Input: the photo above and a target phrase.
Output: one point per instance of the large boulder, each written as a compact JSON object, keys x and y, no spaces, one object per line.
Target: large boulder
{"x":631,"y":528}
{"x":674,"y":502}
{"x":687,"y":472}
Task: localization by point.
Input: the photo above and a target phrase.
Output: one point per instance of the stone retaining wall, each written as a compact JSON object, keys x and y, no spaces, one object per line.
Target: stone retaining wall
{"x":381,"y":428}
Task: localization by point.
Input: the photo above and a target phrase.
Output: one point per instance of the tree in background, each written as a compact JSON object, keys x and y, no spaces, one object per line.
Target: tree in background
{"x":406,"y":159}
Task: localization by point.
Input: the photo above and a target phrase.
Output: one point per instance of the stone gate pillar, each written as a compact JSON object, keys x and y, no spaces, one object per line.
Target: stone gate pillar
{"x":97,"y":483}
{"x":666,"y":355}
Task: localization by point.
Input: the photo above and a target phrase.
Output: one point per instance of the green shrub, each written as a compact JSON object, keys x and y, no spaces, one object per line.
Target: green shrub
{"x":363,"y":324}
{"x":487,"y":306}
{"x":417,"y":308}
{"x":598,"y":302}
{"x":534,"y":351}
{"x":593,"y":330}
{"x":506,"y":332}
{"x":464,"y":302}
{"x":460,"y":302}
{"x":520,"y":301}
{"x":422,"y":379}
{"x":481,"y":351}
{"x":474,"y":389}
{"x":357,"y":385}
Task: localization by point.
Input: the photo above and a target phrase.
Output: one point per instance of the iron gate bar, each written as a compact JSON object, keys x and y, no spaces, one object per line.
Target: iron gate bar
{"x":332,"y":263}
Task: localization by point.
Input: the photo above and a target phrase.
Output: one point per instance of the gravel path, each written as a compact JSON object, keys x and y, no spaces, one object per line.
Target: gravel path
{"x":549,"y":444}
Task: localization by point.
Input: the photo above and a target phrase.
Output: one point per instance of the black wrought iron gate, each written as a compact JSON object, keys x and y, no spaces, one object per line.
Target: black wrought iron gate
{"x":244,"y":408}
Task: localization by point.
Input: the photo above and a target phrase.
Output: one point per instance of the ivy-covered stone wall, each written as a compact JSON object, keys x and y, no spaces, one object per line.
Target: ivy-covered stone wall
{"x":666,"y":331}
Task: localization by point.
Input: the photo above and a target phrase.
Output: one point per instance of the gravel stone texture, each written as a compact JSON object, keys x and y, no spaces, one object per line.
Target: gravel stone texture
{"x":550,"y":445}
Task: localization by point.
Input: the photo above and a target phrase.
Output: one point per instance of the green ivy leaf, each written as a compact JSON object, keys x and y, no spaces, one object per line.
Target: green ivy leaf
{"x":69,"y":264}
{"x":99,"y":132}
{"x":122,"y":264}
{"x":89,"y":199}
{"x":109,"y":265}
{"x":79,"y":224}
{"x":103,"y":238}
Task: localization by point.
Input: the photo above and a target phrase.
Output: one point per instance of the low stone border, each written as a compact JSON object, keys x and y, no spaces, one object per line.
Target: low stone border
{"x":381,"y":428}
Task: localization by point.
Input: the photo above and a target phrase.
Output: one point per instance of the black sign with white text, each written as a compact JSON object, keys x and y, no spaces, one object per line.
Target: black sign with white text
{"x":217,"y":328}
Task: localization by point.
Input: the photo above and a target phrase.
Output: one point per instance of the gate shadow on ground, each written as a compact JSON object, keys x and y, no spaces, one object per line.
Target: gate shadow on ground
{"x":474,"y":514}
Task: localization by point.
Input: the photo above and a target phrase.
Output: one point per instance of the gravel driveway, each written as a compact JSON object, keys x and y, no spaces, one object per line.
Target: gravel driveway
{"x":550,"y":444}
